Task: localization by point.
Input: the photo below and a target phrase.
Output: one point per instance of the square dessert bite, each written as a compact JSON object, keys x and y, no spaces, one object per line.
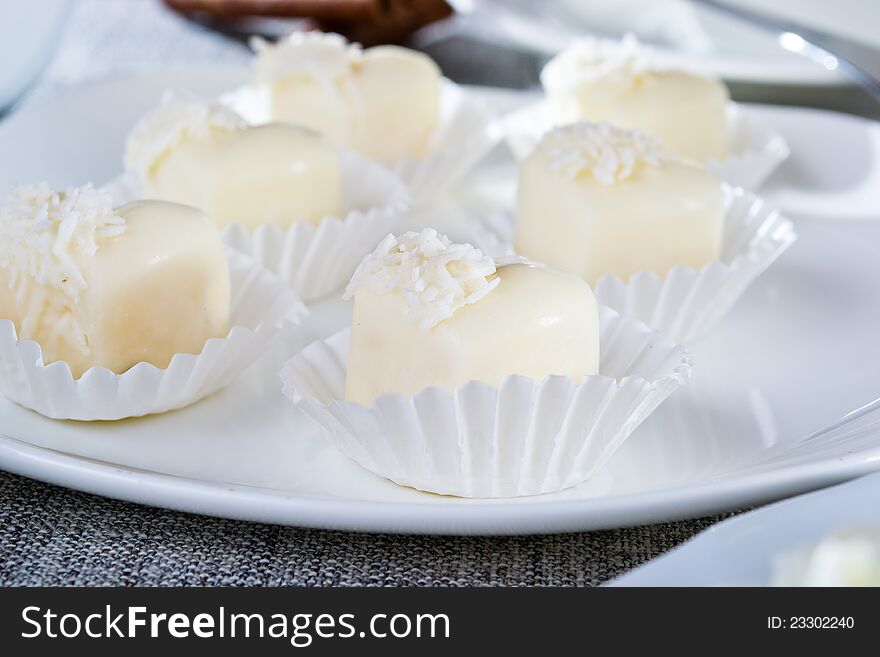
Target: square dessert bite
{"x":599,"y":80}
{"x":383,"y":102}
{"x":204,"y":155}
{"x":428,"y":312}
{"x":99,"y":286}
{"x":594,"y":199}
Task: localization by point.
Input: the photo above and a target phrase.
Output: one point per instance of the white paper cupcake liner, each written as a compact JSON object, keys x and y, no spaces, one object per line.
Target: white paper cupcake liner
{"x":316,"y":260}
{"x":685,"y":304}
{"x":754,"y":150}
{"x":463,"y":138}
{"x":524,"y":437}
{"x":262,"y":308}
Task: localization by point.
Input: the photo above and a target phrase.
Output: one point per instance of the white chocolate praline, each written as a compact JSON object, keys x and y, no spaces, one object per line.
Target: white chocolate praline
{"x":599,"y":80}
{"x":595,"y":200}
{"x":383,"y":102}
{"x":849,"y":557}
{"x":270,"y":174}
{"x":308,"y":75}
{"x":399,"y":97}
{"x":436,"y":315}
{"x":98,"y":286}
{"x":176,"y":120}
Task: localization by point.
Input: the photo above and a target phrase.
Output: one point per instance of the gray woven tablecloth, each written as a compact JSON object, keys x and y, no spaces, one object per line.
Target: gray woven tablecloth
{"x":51,"y":536}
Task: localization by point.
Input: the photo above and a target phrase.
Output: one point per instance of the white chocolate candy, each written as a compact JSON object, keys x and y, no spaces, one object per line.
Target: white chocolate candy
{"x":205,"y":156}
{"x":383,"y":102}
{"x":98,"y":286}
{"x":431,"y":313}
{"x":847,"y":557}
{"x":308,"y":75}
{"x":594,"y":200}
{"x":596,"y":80}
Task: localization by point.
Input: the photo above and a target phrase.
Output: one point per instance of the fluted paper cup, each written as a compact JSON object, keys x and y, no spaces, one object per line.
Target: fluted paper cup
{"x":686,"y":303}
{"x":524,"y":437}
{"x":754,"y":151}
{"x":316,"y":260}
{"x":463,"y":137}
{"x":262,"y":308}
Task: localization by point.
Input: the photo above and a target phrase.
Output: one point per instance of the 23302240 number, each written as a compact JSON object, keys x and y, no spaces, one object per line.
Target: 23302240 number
{"x":821,"y":622}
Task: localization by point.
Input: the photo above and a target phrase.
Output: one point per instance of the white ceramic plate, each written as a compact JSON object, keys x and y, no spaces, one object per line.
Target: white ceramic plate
{"x":740,"y":551}
{"x":797,"y":352}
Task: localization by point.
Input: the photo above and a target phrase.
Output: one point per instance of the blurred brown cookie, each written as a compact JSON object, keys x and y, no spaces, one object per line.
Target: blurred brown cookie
{"x":369,"y":22}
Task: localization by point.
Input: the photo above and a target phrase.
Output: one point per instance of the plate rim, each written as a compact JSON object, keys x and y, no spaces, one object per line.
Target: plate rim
{"x":256,"y":504}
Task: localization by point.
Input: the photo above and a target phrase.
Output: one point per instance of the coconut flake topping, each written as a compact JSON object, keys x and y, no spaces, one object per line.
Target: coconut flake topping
{"x":435,"y":276}
{"x":609,"y":153}
{"x":174,"y":121}
{"x":42,"y":231}
{"x":321,"y":56}
{"x":590,"y":58}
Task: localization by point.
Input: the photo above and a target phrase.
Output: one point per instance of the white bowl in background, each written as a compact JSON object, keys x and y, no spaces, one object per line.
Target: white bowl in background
{"x":29,"y":34}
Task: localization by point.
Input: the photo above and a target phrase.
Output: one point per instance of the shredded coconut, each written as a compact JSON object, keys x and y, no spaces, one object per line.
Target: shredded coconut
{"x":42,"y":232}
{"x":435,"y":276}
{"x":321,"y":56}
{"x":590,"y":58}
{"x":175,"y":120}
{"x":609,"y":153}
